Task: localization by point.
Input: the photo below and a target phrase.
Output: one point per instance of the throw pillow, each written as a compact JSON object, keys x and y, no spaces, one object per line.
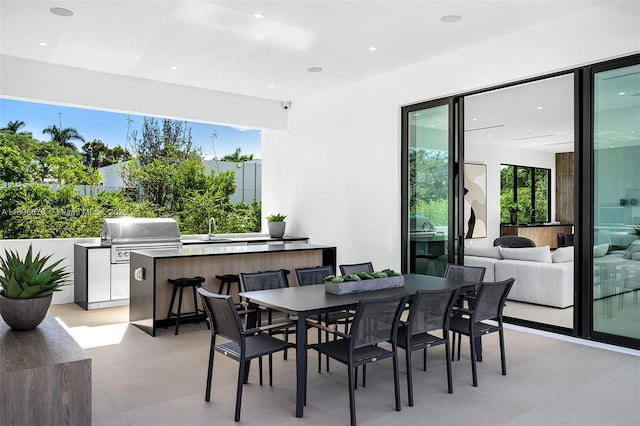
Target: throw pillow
{"x":562,"y":254}
{"x":600,"y":250}
{"x":532,"y":254}
{"x":493,"y":252}
{"x":634,"y":247}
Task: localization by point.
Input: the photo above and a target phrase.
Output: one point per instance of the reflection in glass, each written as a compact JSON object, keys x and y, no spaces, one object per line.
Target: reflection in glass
{"x":616,"y":213}
{"x":428,"y":190}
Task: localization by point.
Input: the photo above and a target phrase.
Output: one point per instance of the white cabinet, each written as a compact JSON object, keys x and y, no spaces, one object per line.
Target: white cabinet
{"x":119,"y":281}
{"x":98,"y":275}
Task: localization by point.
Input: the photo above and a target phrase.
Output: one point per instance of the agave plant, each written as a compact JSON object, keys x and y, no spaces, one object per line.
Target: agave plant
{"x":29,"y":278}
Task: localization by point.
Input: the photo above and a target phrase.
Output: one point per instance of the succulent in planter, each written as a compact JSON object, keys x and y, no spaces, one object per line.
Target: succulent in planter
{"x":276,"y":225}
{"x":359,"y":276}
{"x":27,"y":286}
{"x":276,"y":217}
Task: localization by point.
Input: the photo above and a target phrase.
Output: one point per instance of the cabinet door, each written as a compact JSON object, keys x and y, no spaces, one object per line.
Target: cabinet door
{"x":120,"y":281}
{"x":98,"y":275}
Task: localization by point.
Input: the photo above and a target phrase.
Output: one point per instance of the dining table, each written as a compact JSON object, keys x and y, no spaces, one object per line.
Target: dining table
{"x":308,"y":301}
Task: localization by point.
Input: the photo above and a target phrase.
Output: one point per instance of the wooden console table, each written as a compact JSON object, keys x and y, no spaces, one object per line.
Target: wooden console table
{"x":45,"y":377}
{"x":542,"y":235}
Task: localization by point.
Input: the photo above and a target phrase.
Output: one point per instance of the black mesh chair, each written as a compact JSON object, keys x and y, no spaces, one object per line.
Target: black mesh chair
{"x":316,"y":275}
{"x":473,"y":274}
{"x":242,"y":345}
{"x":375,"y":322}
{"x":513,"y":241}
{"x":488,"y":305}
{"x":429,"y":312}
{"x":356,"y":267}
{"x":265,"y":281}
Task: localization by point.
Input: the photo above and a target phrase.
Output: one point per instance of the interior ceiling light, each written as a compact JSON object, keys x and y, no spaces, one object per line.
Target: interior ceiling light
{"x":42,"y":43}
{"x":450,"y":19}
{"x":314,"y":69}
{"x":174,"y":68}
{"x":539,"y":107}
{"x":372,"y":48}
{"x":61,"y":11}
{"x":622,"y":93}
{"x":258,"y":15}
{"x":271,"y":86}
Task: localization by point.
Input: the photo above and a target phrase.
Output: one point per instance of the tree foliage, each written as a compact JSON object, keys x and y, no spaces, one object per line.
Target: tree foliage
{"x":237,"y":156}
{"x":429,"y":185}
{"x":169,"y":171}
{"x":63,"y":136}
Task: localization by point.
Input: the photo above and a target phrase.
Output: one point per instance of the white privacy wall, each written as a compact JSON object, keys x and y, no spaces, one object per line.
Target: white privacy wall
{"x":336,"y":170}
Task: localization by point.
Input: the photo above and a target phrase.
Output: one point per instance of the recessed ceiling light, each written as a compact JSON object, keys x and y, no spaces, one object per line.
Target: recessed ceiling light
{"x":372,"y":48}
{"x":42,"y":43}
{"x":258,"y":15}
{"x":474,"y":119}
{"x":450,"y":19}
{"x":530,"y":130}
{"x":314,"y":69}
{"x":622,"y":93}
{"x":539,"y":107}
{"x":173,"y":68}
{"x":61,"y":11}
{"x":271,"y":86}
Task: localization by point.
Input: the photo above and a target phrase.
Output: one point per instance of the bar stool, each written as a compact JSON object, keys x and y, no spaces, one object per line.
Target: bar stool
{"x":226,"y":280}
{"x":181,"y":283}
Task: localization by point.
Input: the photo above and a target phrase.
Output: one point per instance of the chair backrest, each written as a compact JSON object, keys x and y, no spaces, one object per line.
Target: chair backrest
{"x":267,"y":280}
{"x":313,"y":275}
{"x":356,"y":267}
{"x":376,"y":321}
{"x":490,"y":300}
{"x":222,"y":315}
{"x":430,"y":310}
{"x":472,"y":274}
{"x":514,"y":241}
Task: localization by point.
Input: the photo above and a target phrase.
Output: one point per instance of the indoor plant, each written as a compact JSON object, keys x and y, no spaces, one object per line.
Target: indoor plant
{"x":514,"y":208}
{"x":276,"y":225}
{"x":27,"y":287}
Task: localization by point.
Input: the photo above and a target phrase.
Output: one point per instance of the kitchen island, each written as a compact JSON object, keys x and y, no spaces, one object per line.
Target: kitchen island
{"x":150,"y":292}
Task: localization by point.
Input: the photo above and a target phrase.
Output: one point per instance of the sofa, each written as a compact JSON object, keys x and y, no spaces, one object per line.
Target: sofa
{"x":541,"y":277}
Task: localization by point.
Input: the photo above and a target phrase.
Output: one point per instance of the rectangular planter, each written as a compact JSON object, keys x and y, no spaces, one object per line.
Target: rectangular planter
{"x":348,"y":287}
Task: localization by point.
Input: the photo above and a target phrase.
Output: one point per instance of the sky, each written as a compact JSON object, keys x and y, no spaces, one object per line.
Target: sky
{"x":111,"y":127}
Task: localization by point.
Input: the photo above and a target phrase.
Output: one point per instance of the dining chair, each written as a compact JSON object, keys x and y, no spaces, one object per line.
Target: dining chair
{"x":375,"y":321}
{"x":356,"y":267}
{"x":265,"y":280}
{"x":513,"y":241}
{"x":316,"y":275}
{"x":243,"y":344}
{"x":488,"y":305}
{"x":472,"y":274}
{"x":429,"y":312}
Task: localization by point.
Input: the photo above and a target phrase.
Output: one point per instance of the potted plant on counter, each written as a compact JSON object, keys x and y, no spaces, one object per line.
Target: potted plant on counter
{"x":276,"y":225}
{"x":27,"y":287}
{"x":514,"y":208}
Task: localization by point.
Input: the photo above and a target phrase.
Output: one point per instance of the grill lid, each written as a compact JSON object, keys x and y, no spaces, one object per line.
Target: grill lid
{"x":126,"y":230}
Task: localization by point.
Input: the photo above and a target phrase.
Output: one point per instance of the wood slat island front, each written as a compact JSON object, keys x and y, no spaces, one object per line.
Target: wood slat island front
{"x":150,"y":292}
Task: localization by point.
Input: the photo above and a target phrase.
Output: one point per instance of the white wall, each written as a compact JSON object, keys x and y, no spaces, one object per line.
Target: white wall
{"x":336,"y":171}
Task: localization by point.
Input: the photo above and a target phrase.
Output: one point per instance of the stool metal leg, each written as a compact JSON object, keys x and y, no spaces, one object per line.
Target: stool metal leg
{"x":179,"y":310}
{"x":173,"y":298}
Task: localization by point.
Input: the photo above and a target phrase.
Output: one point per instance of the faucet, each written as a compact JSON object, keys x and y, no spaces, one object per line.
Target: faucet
{"x":212,"y":221}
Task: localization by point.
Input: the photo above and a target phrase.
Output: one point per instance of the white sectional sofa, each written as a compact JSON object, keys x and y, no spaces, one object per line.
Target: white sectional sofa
{"x":540,"y":277}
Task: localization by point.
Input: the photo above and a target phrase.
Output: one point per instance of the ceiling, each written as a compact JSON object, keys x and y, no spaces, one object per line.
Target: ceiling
{"x":220,"y":45}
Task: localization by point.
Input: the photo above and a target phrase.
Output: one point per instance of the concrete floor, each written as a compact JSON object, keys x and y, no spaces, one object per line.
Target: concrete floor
{"x":141,"y":380}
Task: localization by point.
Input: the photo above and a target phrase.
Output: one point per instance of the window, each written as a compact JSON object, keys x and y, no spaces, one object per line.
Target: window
{"x":525,"y":189}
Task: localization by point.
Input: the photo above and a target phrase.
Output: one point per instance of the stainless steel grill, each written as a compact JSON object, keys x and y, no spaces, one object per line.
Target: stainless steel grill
{"x":126,"y":234}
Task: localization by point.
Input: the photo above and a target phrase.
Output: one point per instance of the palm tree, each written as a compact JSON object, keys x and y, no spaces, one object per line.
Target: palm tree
{"x":62,"y":136}
{"x":14,"y":126}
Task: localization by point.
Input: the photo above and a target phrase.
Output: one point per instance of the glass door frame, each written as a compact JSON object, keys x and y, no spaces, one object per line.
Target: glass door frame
{"x":454,"y":234}
{"x":583,"y":323}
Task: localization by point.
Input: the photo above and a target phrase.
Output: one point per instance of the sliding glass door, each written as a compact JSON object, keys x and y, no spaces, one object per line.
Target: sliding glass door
{"x":616,"y":208}
{"x":427,"y":190}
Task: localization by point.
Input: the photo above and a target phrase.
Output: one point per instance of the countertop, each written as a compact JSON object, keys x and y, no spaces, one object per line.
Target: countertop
{"x":221,"y":249}
{"x":534,"y":225}
{"x":188,"y":240}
